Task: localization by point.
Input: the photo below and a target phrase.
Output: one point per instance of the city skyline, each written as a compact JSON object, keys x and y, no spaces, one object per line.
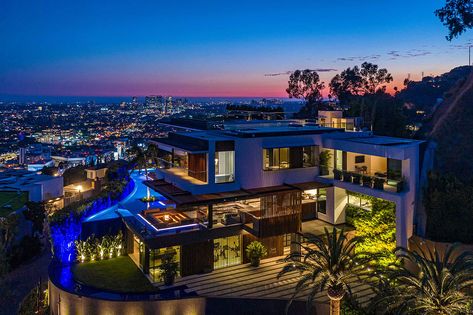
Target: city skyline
{"x":239,"y":49}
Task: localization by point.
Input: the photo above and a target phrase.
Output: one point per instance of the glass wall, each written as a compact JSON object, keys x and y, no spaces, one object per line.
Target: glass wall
{"x":319,"y":196}
{"x":138,"y":254}
{"x":224,"y":166}
{"x":359,"y":200}
{"x":227,"y":251}
{"x":155,"y":258}
{"x":284,"y":158}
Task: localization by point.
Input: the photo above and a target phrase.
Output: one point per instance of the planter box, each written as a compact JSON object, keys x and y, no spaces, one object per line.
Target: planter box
{"x":346,"y":176}
{"x":367,"y":181}
{"x":356,"y":178}
{"x":400,"y":186}
{"x":378,"y":183}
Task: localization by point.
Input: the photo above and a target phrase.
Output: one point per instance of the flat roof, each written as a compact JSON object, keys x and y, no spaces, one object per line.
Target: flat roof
{"x":381,"y":140}
{"x":277,"y":131}
{"x":185,"y":198}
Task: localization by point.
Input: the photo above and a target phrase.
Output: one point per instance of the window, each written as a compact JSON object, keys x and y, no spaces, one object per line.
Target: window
{"x":359,"y":200}
{"x":394,"y":169}
{"x":285,"y":158}
{"x":155,"y":258}
{"x":224,"y":166}
{"x":227,"y":251}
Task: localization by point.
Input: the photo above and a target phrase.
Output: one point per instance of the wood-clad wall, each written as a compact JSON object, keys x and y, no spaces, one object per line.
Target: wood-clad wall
{"x":274,"y":245}
{"x":197,"y":258}
{"x":197,"y":166}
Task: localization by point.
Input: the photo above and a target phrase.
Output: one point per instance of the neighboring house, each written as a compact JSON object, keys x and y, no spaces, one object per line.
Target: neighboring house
{"x":230,"y":187}
{"x":40,"y":188}
{"x":336,"y":119}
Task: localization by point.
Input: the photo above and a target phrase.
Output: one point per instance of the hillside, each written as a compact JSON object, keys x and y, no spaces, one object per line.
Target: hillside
{"x":451,"y":126}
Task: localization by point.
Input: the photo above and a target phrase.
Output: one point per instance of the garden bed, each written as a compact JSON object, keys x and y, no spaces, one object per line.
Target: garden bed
{"x":117,"y":275}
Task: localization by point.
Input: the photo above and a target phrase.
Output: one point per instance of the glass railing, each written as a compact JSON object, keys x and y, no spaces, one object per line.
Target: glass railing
{"x":377,"y":180}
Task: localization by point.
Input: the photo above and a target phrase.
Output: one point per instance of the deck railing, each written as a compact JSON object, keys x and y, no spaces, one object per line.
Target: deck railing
{"x":374,"y":181}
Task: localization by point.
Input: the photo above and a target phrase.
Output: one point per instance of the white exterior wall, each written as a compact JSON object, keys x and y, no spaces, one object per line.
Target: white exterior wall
{"x":249,"y":173}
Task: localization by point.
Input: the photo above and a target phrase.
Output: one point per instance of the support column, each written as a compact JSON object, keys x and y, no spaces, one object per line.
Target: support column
{"x":210,"y":216}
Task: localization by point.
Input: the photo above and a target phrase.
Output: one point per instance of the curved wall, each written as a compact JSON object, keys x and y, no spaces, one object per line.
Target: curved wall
{"x":64,"y":303}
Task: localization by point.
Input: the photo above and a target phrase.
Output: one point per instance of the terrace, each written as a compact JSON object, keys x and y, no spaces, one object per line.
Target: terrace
{"x":365,"y":170}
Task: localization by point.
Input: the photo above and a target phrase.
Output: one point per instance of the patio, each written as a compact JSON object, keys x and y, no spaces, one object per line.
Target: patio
{"x":245,"y":281}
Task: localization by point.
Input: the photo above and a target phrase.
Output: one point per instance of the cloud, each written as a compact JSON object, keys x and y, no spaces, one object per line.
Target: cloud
{"x":290,"y":72}
{"x":359,"y":58}
{"x":390,"y":55}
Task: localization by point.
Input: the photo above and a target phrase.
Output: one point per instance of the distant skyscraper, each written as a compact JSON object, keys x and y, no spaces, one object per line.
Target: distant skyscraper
{"x":22,"y":156}
{"x":168,"y":109}
{"x":155,"y":101}
{"x":134,"y":102}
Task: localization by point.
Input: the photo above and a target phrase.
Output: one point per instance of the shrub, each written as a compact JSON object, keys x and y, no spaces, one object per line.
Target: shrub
{"x":376,"y":229}
{"x":256,"y":250}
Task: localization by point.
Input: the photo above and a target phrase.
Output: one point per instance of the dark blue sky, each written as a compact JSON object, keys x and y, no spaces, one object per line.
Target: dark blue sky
{"x":211,"y":48}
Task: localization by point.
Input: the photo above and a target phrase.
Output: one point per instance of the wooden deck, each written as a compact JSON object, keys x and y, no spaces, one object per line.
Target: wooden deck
{"x":245,"y":281}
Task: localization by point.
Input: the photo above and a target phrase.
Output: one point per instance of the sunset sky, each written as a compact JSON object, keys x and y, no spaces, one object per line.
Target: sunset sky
{"x":212,"y":48}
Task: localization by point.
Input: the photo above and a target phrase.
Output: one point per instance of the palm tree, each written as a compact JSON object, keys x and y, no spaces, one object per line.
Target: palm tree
{"x":328,"y":263}
{"x":429,"y":282}
{"x":152,"y":152}
{"x":138,"y":158}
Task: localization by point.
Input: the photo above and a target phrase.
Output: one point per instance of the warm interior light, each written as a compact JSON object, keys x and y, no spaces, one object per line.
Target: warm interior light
{"x":166,"y":217}
{"x":79,"y":188}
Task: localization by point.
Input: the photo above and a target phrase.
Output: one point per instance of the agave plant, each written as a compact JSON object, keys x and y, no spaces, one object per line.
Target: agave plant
{"x":430,"y":283}
{"x":117,"y":243}
{"x":81,"y":250}
{"x":328,"y":264}
{"x":91,"y":248}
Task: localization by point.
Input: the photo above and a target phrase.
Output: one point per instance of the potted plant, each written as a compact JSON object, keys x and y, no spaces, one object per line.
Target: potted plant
{"x":169,"y":268}
{"x":378,"y":183}
{"x":367,"y":181}
{"x":356,"y":178}
{"x":337,"y":174}
{"x":324,"y":159}
{"x":255,"y":251}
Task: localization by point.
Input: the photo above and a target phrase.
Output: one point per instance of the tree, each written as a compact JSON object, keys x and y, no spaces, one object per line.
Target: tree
{"x":367,"y":79}
{"x":457,"y":16}
{"x":152,"y":152}
{"x":74,"y":175}
{"x":306,"y":84}
{"x":329,"y":263}
{"x":36,"y":213}
{"x":430,"y":283}
{"x":362,"y":87}
{"x":138,"y":158}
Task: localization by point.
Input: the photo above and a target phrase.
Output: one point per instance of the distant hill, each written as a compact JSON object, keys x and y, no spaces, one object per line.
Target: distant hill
{"x":451,"y":126}
{"x":424,"y":94}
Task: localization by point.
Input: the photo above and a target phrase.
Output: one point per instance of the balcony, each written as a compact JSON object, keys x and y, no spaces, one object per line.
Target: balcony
{"x":377,"y":180}
{"x":181,"y":171}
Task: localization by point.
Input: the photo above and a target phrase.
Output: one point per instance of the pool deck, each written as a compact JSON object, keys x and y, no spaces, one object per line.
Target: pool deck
{"x":245,"y":281}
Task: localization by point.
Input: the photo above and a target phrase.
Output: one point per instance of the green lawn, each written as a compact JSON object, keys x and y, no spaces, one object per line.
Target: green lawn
{"x":11,"y":198}
{"x":118,"y":274}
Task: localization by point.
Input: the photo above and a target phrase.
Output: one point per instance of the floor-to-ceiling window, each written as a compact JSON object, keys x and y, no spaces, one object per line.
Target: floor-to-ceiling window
{"x":339,"y":159}
{"x":293,"y":157}
{"x":138,"y":254}
{"x":224,"y":166}
{"x":227,"y":251}
{"x":155,"y":260}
